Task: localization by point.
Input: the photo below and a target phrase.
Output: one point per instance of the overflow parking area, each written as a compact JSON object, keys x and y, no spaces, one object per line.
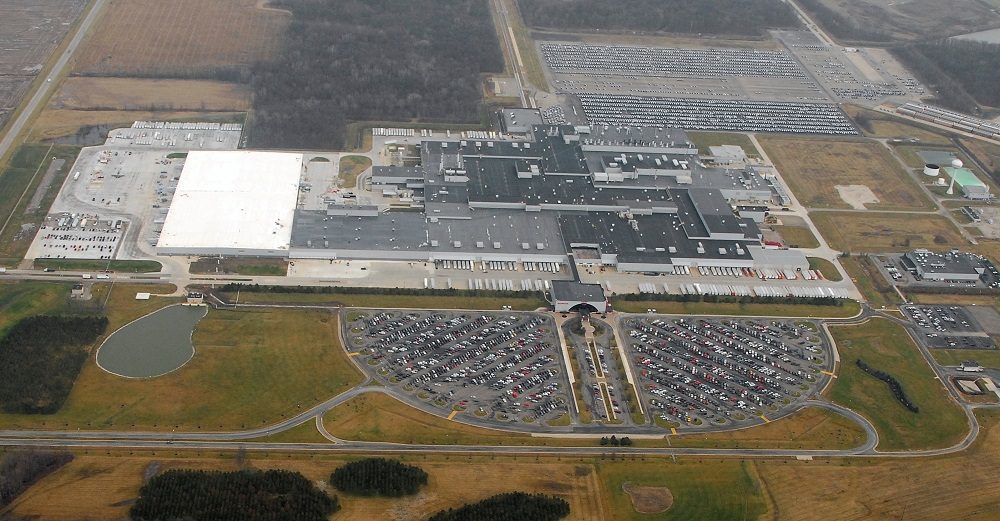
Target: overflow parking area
{"x":494,"y":367}
{"x":704,"y":372}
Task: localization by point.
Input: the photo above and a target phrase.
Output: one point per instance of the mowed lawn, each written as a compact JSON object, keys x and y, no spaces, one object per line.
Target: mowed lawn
{"x":378,"y":417}
{"x":886,"y":346}
{"x":813,"y":168}
{"x":886,"y":232}
{"x":392,"y":301}
{"x":806,"y":429}
{"x":713,"y":489}
{"x":23,"y":299}
{"x":250,"y":368}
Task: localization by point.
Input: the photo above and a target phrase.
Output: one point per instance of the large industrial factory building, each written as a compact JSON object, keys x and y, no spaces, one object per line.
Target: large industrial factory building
{"x":636,"y":199}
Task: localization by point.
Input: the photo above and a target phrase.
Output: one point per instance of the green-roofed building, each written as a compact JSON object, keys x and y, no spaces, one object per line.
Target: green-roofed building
{"x":972,"y":187}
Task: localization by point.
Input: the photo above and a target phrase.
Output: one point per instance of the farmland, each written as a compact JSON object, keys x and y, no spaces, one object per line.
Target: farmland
{"x":886,"y":346}
{"x":30,"y":32}
{"x":884,"y":232}
{"x":81,"y":93}
{"x":814,"y":169}
{"x":181,"y":39}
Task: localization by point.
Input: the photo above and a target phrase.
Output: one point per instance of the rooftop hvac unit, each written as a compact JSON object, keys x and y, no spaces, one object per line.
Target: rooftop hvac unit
{"x":540,"y":246}
{"x":457,"y":244}
{"x":496,"y":245}
{"x":480,"y":244}
{"x":525,"y":246}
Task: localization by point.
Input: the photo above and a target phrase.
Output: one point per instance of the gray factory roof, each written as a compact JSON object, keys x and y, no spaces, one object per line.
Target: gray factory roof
{"x":953,"y":262}
{"x":519,"y":120}
{"x":568,"y":290}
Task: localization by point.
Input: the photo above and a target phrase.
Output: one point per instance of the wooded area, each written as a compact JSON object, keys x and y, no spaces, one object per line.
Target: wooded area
{"x":842,"y":26}
{"x":373,"y":60}
{"x":21,"y":469}
{"x":378,"y":477}
{"x":513,"y":506}
{"x":246,"y":495}
{"x":40,"y":358}
{"x":961,"y":73}
{"x":729,"y":17}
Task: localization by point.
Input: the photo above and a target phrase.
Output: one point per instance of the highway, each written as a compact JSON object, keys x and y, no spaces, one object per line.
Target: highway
{"x":46,"y":88}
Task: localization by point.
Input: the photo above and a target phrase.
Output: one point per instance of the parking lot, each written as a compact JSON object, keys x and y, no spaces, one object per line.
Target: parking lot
{"x":700,"y":372}
{"x":496,"y":367}
{"x":603,"y":386}
{"x":948,"y":327}
{"x":711,"y":114}
{"x":78,"y":236}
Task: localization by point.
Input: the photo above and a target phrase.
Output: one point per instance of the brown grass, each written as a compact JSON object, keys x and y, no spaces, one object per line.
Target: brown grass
{"x":886,"y":232}
{"x":886,"y":126}
{"x":99,"y":486}
{"x":649,"y":500}
{"x":797,"y":236}
{"x":180,"y":37}
{"x":812,"y":168}
{"x":807,"y":429}
{"x":964,"y":486}
{"x":145,"y":94}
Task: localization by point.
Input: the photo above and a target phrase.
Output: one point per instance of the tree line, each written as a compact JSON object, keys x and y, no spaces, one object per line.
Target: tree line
{"x":963,"y":73}
{"x":40,"y":358}
{"x":513,"y":506}
{"x":21,"y":469}
{"x":363,"y":60}
{"x":894,"y":385}
{"x":378,"y":477}
{"x":614,"y":441}
{"x":245,"y":495}
{"x":730,"y":17}
{"x":842,"y":26}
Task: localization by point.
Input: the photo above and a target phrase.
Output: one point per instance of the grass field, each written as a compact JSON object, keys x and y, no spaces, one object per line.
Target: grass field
{"x":797,"y":236}
{"x":350,"y":168}
{"x":100,"y":486}
{"x":182,"y":38}
{"x":23,"y":176}
{"x":23,"y":299}
{"x":525,"y":46}
{"x":829,"y":271}
{"x":392,"y":301}
{"x":988,"y":358}
{"x":886,"y":232}
{"x":885,"y":126}
{"x":130,"y":266}
{"x":813,"y":168}
{"x":250,"y":369}
{"x":88,"y":93}
{"x":962,"y":486}
{"x":849,"y":309}
{"x":701,"y":490}
{"x":377,"y":417}
{"x":870,"y":281}
{"x":886,"y":346}
{"x":703,"y":140}
{"x":987,"y":153}
{"x":241,"y":266}
{"x":807,"y":429}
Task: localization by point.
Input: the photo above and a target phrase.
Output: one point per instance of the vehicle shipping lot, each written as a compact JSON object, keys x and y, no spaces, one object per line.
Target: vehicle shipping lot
{"x":948,"y":327}
{"x":30,"y":32}
{"x":501,"y":367}
{"x":699,"y":372}
{"x":721,"y":115}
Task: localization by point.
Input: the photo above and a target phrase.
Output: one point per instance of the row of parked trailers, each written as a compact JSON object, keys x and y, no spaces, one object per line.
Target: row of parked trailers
{"x":739,"y":290}
{"x":711,"y":114}
{"x":551,"y":267}
{"x":951,"y":119}
{"x":760,"y":273}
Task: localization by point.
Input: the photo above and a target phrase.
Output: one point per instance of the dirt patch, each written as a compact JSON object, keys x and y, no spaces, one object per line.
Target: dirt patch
{"x":649,"y":500}
{"x":857,"y":196}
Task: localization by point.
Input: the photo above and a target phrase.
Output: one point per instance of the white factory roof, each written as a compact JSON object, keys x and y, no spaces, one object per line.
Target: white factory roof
{"x":233,"y":200}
